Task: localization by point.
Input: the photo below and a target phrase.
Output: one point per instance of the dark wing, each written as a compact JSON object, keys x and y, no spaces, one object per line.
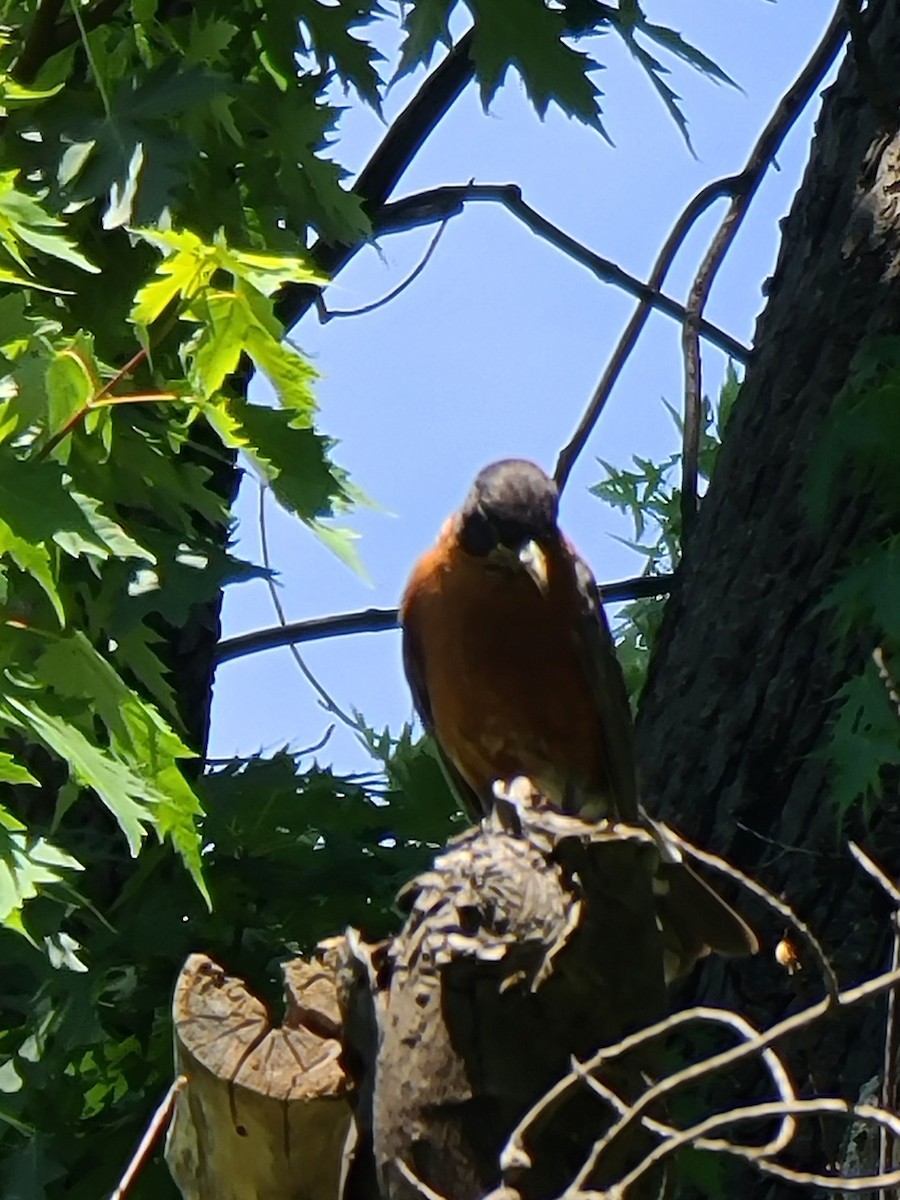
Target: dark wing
{"x":614,"y":723}
{"x":694,"y":917}
{"x":414,"y":669}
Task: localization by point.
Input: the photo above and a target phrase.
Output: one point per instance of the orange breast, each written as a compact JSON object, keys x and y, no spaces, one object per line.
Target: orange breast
{"x":504,"y":675}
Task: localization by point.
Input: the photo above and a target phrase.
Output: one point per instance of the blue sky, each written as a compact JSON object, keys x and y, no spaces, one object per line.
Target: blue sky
{"x":495,"y":349}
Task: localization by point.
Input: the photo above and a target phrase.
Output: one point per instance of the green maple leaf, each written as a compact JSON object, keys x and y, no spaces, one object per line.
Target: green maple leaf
{"x":529,"y":36}
{"x":122,"y":789}
{"x":334,"y":45}
{"x":13,"y":772}
{"x":426,"y":25}
{"x":865,"y":738}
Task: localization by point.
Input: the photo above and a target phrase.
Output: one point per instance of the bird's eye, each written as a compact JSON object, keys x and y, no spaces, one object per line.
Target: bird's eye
{"x":477,"y":535}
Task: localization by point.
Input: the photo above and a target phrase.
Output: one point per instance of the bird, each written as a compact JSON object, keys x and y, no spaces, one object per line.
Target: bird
{"x":513,"y":670}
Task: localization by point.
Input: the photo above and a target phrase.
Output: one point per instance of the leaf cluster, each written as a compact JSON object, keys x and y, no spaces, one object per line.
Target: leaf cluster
{"x":148,"y":197}
{"x":542,"y":41}
{"x":650,"y":496}
{"x":856,"y":457}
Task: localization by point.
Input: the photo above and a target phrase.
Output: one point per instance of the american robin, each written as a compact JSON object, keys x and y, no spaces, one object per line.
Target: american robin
{"x":512,"y":667}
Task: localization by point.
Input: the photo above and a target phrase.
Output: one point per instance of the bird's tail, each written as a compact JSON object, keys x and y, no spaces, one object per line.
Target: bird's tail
{"x":696,"y":921}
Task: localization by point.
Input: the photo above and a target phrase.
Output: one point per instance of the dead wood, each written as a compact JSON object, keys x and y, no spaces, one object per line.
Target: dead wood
{"x":532,"y":941}
{"x":265,"y":1111}
{"x":524,"y":947}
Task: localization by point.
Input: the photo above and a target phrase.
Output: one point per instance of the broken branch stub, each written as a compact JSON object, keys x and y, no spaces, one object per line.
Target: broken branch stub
{"x":523,"y":947}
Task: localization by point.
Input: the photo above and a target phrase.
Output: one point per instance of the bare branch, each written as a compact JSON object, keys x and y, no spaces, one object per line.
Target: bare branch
{"x":444,"y":202}
{"x":696,"y":1135}
{"x":892,"y":1017}
{"x":515,"y":1153}
{"x":423,"y":1189}
{"x":875,"y":872}
{"x":886,"y":1155}
{"x":694,"y":209}
{"x":368,"y":620}
{"x":716,"y":1062}
{"x":786,"y":112}
{"x":376,"y":620}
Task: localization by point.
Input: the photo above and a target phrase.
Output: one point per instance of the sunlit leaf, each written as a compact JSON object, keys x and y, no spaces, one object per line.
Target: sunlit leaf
{"x":27,"y":867}
{"x":25,"y":227}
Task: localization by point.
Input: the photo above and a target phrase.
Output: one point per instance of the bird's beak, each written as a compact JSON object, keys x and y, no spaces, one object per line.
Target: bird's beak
{"x":534,"y":560}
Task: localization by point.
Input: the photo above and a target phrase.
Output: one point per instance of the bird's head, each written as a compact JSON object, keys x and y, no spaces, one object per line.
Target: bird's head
{"x":509,"y":517}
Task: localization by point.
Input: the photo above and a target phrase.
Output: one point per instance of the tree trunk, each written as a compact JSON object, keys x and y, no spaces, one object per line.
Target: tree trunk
{"x":746,"y":667}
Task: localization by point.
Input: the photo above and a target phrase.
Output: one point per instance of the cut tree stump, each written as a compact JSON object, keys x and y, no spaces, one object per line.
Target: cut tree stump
{"x":533,"y":940}
{"x":265,"y":1112}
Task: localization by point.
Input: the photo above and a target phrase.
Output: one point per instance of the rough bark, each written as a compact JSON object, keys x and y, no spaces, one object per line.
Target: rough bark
{"x":746,"y":666}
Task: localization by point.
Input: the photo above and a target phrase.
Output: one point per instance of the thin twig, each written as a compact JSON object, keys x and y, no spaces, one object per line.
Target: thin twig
{"x":694,"y":209}
{"x":157,"y":1124}
{"x":102,"y":395}
{"x":448,"y":201}
{"x":327,"y":314}
{"x":89,"y":55}
{"x":325,"y":698}
{"x":367,"y":620}
{"x":723,"y":1061}
{"x":786,"y":112}
{"x":875,"y":872}
{"x":886,"y":1155}
{"x":823,"y":1105}
{"x":71,"y":30}
{"x":514,"y":1153}
{"x":376,"y":620}
{"x":891,"y":1030}
{"x":413,"y":1180}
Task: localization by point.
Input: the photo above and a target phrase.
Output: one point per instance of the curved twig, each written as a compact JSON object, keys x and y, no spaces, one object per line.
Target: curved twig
{"x":514,"y":1153}
{"x":727,"y":186}
{"x":768,"y":898}
{"x":786,"y":112}
{"x":696,"y":1135}
{"x":717,"y":1062}
{"x":330,"y":314}
{"x":382,"y":172}
{"x":325,"y":698}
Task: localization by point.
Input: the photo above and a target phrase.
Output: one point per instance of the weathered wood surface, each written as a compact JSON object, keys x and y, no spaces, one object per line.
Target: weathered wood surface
{"x":519,"y":952}
{"x":265,"y":1112}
